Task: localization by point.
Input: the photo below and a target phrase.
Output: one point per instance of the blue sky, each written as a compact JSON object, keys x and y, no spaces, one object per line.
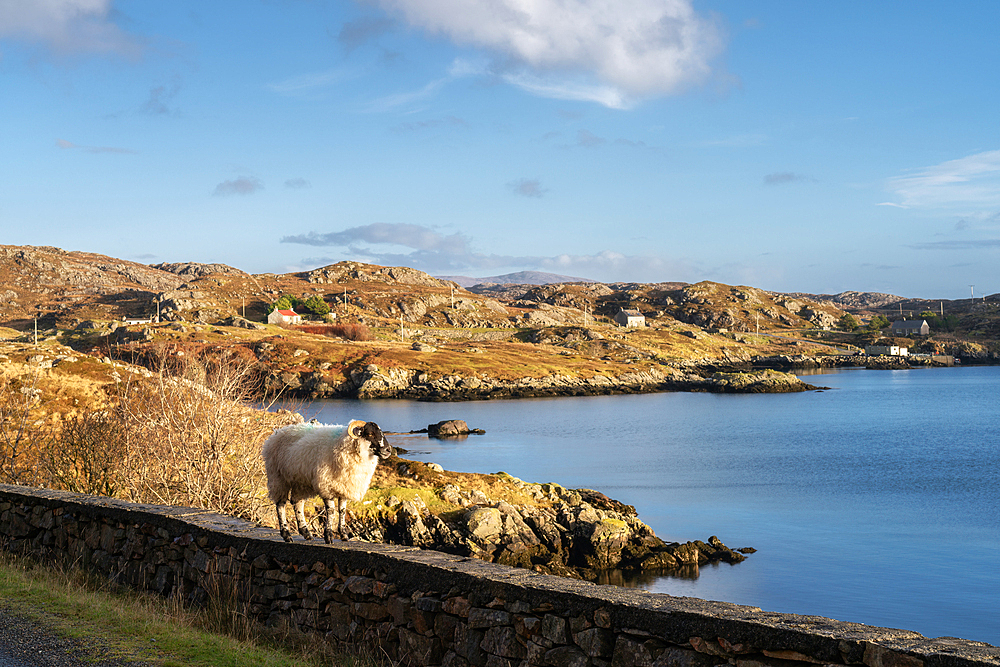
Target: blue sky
{"x":815,"y":147}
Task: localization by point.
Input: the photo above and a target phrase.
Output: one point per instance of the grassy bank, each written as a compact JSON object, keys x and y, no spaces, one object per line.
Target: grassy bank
{"x":107,"y":622}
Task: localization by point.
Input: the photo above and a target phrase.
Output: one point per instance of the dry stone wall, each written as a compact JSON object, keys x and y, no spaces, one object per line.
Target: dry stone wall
{"x":429,"y":608}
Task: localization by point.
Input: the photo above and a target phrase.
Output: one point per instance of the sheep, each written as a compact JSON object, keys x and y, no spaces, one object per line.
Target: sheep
{"x":333,"y":462}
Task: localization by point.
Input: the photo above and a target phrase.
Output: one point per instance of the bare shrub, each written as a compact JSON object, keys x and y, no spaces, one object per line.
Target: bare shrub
{"x":356,"y":332}
{"x":24,"y":430}
{"x":195,"y":441}
{"x":184,"y":436}
{"x":90,"y":456}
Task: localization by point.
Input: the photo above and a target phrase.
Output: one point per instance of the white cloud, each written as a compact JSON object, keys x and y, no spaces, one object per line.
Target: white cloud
{"x":66,"y":26}
{"x":593,"y":50}
{"x":966,"y":183}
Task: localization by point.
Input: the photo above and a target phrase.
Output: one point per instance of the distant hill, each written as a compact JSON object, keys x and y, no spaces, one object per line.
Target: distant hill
{"x":519,"y":278}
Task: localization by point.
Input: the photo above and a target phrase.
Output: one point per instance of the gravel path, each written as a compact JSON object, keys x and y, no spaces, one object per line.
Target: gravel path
{"x":27,"y":643}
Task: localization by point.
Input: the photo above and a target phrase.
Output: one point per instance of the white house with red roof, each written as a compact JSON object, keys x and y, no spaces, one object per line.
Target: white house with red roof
{"x":284,"y":317}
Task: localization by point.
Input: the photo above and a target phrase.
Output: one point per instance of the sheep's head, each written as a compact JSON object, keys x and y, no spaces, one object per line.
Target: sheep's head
{"x":372,"y":434}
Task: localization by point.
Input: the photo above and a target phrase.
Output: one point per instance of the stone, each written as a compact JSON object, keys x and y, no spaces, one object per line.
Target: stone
{"x":480,"y":617}
{"x":503,"y":641}
{"x":596,"y":642}
{"x":448,"y":427}
{"x":554,"y":628}
{"x":566,"y":656}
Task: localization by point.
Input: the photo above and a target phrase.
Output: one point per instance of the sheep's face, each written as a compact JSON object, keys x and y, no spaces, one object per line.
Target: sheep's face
{"x":373,"y":435}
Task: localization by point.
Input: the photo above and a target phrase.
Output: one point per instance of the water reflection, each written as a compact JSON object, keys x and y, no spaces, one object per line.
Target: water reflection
{"x":645,"y":578}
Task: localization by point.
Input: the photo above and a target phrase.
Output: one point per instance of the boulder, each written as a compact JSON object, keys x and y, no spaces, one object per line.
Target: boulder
{"x":448,"y":427}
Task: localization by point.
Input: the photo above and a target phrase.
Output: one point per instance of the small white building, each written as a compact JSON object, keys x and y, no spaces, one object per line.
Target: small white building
{"x":630,"y":318}
{"x":284,"y":317}
{"x":890,"y":350}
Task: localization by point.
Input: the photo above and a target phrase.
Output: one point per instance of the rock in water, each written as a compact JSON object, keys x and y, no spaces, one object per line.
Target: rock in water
{"x":448,"y":427}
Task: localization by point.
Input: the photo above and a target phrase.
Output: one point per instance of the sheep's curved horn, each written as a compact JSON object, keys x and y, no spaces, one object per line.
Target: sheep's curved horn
{"x":355,"y":428}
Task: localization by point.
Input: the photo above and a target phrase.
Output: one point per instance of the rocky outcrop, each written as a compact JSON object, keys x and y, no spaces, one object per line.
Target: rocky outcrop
{"x":570,"y":532}
{"x":346,"y":271}
{"x":193,"y":270}
{"x":374,"y":382}
{"x":757,"y":382}
{"x":61,"y":269}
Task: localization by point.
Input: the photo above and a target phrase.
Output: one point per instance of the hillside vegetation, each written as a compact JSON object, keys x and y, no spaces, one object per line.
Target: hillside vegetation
{"x":395,"y":328}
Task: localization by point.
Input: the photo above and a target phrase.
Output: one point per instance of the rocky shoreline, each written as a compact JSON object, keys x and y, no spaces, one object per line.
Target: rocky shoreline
{"x":375,"y":382}
{"x":578,"y":533}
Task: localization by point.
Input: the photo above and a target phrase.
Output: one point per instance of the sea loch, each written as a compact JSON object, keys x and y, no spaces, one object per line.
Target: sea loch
{"x":877,"y":501}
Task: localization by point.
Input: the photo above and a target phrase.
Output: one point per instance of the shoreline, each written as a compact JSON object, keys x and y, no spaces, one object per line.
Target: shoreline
{"x":373,"y":382}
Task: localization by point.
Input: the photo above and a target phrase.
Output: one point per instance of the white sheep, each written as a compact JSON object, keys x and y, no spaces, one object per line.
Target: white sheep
{"x":329,"y":461}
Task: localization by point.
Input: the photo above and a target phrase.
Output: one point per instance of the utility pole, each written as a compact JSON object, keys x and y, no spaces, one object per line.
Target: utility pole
{"x":453,"y":297}
{"x":36,"y":332}
{"x":972,"y":292}
{"x":402,"y":335}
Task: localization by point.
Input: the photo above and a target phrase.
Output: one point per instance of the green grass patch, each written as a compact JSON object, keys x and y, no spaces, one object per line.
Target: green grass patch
{"x":126,"y":624}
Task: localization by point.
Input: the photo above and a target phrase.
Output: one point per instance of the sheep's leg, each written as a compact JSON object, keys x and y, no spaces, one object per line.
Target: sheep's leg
{"x":342,"y":504}
{"x":300,"y":518}
{"x":328,"y":533}
{"x":286,"y":534}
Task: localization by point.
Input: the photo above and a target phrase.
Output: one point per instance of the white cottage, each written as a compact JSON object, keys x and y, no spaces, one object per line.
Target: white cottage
{"x":284,"y":317}
{"x":630,"y":318}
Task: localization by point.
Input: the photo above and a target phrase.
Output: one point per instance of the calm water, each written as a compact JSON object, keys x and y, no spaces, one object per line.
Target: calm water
{"x":877,"y":501}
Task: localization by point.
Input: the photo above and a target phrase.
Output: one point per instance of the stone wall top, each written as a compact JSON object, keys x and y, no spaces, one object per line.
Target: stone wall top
{"x":416,"y":572}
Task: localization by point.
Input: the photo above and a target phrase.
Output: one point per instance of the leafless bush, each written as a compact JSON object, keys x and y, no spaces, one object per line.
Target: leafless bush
{"x":194,"y":439}
{"x":90,"y":456}
{"x":185,"y":436}
{"x":356,"y":332}
{"x":24,"y":430}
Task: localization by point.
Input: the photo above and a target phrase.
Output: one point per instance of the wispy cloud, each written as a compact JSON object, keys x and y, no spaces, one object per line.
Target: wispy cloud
{"x":431,"y":250}
{"x":393,"y":102}
{"x":560,"y":89}
{"x":783,"y":177}
{"x":415,"y":126}
{"x":736,"y":141}
{"x":354,"y":34}
{"x":244,"y":185}
{"x":589,"y":140}
{"x":69,"y":145}
{"x":966,"y":183}
{"x":67,"y":27}
{"x":309,"y":81}
{"x":527,"y":187}
{"x":576,"y":50}
{"x":417,"y":237}
{"x":297,"y":183}
{"x":969,"y":244}
{"x":160,"y":100}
